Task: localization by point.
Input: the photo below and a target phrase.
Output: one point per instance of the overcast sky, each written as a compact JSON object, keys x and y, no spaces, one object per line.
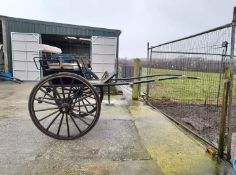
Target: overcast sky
{"x":140,"y":21}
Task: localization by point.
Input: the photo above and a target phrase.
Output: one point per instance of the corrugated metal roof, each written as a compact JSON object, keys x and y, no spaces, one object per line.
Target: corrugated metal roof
{"x":43,"y":27}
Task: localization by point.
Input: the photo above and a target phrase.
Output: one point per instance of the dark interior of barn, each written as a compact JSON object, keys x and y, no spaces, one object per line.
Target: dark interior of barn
{"x":79,"y":45}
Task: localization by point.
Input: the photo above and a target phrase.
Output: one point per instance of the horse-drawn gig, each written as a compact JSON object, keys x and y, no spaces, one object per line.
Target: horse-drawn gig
{"x":66,"y":103}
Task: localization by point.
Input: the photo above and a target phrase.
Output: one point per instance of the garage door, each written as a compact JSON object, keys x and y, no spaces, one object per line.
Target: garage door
{"x":103,"y":54}
{"x":24,"y":49}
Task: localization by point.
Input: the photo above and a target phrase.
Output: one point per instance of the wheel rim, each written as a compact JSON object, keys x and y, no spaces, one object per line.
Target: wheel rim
{"x":64,"y":106}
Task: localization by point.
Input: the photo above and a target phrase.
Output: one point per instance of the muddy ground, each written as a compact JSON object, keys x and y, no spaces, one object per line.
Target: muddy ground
{"x":202,"y":119}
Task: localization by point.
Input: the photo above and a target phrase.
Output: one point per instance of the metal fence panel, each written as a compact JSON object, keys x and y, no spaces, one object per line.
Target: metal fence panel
{"x":196,"y":104}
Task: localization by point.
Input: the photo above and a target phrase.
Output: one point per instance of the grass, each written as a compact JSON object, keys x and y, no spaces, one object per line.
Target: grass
{"x":203,"y":90}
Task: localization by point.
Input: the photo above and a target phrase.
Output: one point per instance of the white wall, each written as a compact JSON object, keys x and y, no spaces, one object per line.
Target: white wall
{"x":24,"y":49}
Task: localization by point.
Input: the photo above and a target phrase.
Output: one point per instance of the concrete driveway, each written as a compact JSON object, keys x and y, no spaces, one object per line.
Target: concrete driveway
{"x":112,"y":147}
{"x":130,"y":138}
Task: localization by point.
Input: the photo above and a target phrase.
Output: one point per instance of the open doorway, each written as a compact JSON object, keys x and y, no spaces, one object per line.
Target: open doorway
{"x":79,"y":45}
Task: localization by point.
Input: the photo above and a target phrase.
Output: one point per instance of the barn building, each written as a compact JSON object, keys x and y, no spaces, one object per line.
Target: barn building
{"x":18,"y":38}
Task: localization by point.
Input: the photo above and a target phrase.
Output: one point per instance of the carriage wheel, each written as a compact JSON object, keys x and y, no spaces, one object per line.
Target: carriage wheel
{"x":64,"y":106}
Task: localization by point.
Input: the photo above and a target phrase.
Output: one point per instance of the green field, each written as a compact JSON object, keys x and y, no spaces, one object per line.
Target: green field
{"x":203,"y":90}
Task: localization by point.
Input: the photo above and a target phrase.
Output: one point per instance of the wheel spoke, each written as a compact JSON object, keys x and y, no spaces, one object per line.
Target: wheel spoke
{"x":53,"y":121}
{"x":46,"y":93}
{"x":59,"y":128}
{"x":68,"y":127}
{"x":71,"y":85}
{"x":90,"y":96}
{"x":75,"y":95}
{"x":77,"y":116}
{"x":62,"y":86}
{"x":90,"y":103}
{"x":79,"y":106}
{"x":48,"y":115}
{"x":85,"y":106}
{"x":40,"y":100}
{"x":80,"y":99}
{"x":46,"y":109}
{"x":75,"y":123}
{"x":54,"y":89}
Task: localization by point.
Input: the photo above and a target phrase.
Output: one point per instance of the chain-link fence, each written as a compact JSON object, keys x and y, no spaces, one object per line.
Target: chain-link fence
{"x":196,"y":104}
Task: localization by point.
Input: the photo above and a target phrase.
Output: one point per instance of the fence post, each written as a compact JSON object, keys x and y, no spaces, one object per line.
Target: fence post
{"x":229,"y":136}
{"x":224,"y":112}
{"x":148,"y":72}
{"x":135,"y":93}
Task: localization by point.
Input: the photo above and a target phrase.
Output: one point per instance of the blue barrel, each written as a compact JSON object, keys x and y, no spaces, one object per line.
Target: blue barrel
{"x":7,"y":74}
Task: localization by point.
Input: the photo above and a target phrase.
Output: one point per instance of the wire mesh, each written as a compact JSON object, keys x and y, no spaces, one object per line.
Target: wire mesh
{"x":194,"y":103}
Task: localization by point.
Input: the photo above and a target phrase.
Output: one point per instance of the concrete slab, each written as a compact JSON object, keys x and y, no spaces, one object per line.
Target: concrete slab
{"x":112,"y":147}
{"x":173,"y":149}
{"x":126,"y":140}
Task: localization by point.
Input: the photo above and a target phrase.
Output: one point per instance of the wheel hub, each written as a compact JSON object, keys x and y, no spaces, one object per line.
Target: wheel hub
{"x":65,"y":107}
